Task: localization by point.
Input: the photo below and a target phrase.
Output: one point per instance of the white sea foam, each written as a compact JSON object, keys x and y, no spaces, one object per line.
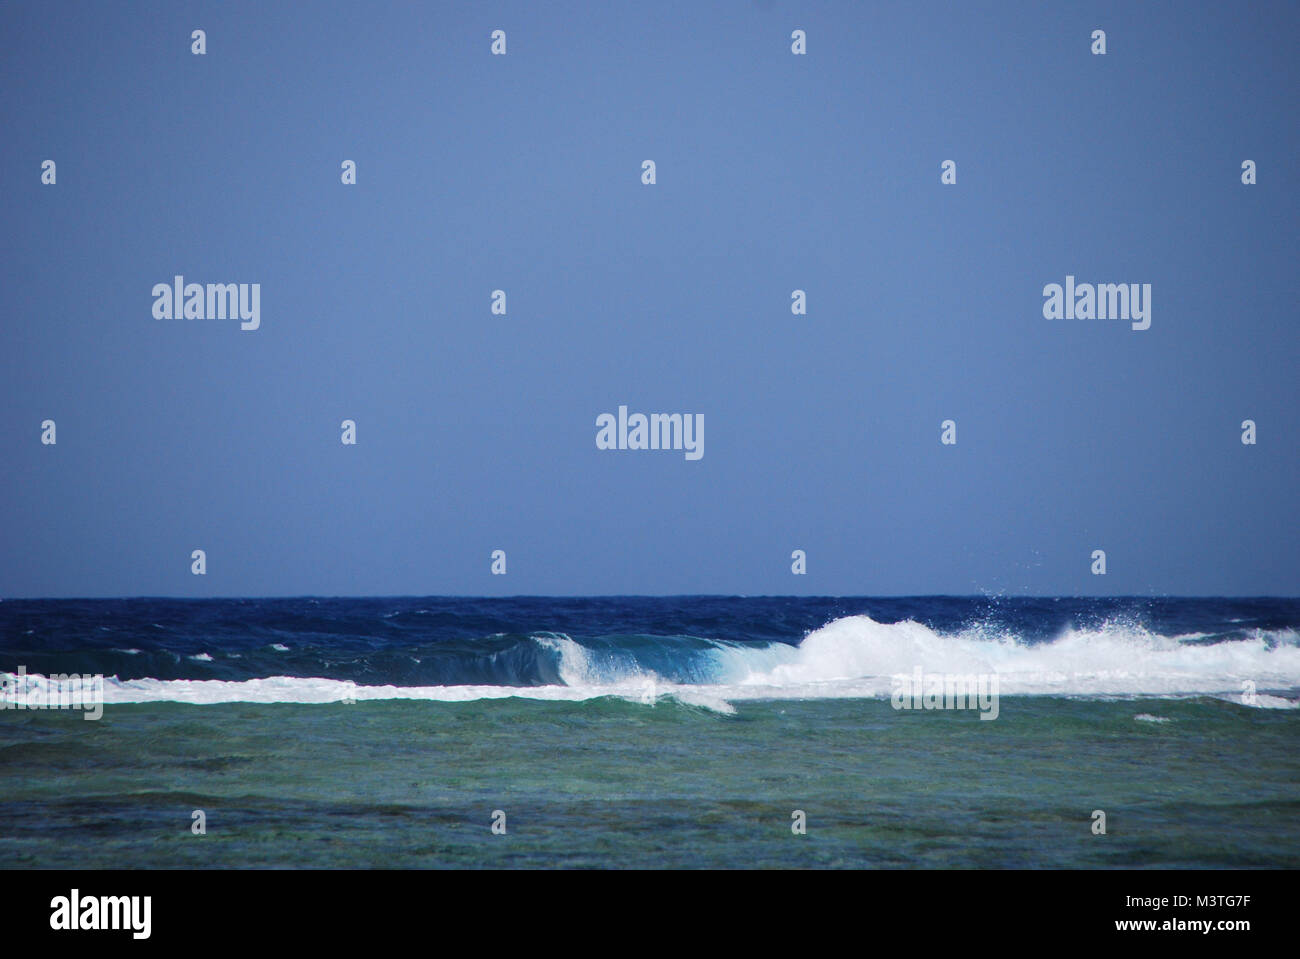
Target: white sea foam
{"x":859,"y":654}
{"x":292,"y":689}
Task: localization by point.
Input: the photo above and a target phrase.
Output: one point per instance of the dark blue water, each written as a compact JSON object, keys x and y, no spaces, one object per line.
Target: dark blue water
{"x":458,"y":641}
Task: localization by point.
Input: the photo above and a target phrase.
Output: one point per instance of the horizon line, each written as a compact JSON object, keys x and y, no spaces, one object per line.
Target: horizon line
{"x":557,"y":596}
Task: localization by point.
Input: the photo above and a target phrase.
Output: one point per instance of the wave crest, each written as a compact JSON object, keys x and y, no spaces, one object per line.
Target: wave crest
{"x":850,"y":657}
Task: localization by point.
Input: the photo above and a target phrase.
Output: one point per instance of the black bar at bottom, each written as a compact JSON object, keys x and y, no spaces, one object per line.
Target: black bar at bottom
{"x":343,"y":909}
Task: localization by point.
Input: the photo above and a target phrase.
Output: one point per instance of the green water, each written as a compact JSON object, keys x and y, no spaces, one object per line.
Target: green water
{"x":609,"y":783}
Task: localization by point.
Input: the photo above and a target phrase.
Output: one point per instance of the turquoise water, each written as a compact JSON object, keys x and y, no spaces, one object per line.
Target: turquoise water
{"x":612,"y":783}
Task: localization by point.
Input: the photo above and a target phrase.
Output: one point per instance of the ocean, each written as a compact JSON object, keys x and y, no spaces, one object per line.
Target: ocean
{"x":653,"y":732}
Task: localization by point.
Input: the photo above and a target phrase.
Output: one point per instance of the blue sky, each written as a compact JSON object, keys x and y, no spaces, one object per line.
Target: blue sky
{"x":775,"y":172}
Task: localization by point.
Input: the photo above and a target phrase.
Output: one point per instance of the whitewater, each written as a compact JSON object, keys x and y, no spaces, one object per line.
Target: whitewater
{"x":849,"y":657}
